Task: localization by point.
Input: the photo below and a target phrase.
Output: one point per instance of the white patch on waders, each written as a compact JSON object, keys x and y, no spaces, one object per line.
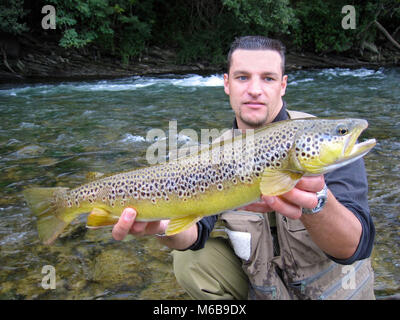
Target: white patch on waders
{"x":241,"y":243}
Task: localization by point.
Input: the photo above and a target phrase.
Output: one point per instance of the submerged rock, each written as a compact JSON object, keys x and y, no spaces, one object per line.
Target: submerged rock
{"x":29,"y":151}
{"x":117,"y":267}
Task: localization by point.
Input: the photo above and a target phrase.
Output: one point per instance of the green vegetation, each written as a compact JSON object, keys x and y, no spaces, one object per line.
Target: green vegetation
{"x":202,"y":29}
{"x":114,"y":26}
{"x":319,"y":29}
{"x":10,"y":14}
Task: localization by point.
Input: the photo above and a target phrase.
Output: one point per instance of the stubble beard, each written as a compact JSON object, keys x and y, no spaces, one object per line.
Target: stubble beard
{"x":253,"y":123}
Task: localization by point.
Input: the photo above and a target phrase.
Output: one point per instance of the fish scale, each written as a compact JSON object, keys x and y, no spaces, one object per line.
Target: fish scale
{"x":224,"y":175}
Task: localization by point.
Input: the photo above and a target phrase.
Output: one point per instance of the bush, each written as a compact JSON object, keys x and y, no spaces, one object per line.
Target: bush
{"x":112,"y":25}
{"x":11,"y":14}
{"x":202,"y":29}
{"x":319,"y":28}
{"x":267,"y":16}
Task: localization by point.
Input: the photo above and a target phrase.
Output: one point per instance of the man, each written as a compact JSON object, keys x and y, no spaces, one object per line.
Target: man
{"x":294,"y":254}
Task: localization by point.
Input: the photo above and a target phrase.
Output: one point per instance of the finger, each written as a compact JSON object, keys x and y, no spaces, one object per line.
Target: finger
{"x":156,"y":227}
{"x":311,"y":184}
{"x":301,"y":198}
{"x":124,"y":224}
{"x":261,"y":207}
{"x":138,"y":228}
{"x":285,"y":208}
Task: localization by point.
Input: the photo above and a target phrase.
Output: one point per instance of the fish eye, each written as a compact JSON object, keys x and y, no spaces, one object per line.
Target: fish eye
{"x":342,"y":131}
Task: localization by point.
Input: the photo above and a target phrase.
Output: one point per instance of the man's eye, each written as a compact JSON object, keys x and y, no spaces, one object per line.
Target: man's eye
{"x":242,"y":78}
{"x":268,"y":79}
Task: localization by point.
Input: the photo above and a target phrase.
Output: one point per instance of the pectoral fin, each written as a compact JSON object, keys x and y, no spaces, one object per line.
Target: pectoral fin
{"x":101,"y":218}
{"x":181,"y":224}
{"x":277,"y":182}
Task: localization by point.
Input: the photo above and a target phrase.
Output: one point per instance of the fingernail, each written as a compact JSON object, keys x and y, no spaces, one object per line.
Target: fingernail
{"x":128,"y":215}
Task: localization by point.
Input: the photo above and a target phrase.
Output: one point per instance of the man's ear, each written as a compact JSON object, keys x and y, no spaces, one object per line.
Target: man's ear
{"x":283,"y":85}
{"x":226,"y":83}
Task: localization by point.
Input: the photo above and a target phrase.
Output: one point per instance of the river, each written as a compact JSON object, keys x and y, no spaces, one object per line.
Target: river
{"x":53,"y":134}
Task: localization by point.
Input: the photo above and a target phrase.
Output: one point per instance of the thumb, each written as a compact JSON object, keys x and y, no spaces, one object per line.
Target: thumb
{"x":125,"y":222}
{"x":128,"y":215}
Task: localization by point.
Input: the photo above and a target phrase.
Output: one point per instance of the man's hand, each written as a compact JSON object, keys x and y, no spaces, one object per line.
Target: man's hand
{"x":127,"y":225}
{"x":303,"y":195}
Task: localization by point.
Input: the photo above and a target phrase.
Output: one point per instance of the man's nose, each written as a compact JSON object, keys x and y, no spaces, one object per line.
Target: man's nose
{"x":254,"y":88}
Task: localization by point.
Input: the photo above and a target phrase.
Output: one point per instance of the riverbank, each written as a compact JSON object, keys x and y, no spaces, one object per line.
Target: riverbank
{"x":31,"y":60}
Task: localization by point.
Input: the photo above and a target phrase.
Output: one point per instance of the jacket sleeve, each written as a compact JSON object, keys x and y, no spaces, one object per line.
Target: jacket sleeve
{"x":204,"y":227}
{"x":350,"y":187}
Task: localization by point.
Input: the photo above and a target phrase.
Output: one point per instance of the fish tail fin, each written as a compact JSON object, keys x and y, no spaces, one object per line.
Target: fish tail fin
{"x":52,"y":216}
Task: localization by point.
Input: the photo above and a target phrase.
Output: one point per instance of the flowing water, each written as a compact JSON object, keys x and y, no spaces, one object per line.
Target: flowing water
{"x":53,"y":134}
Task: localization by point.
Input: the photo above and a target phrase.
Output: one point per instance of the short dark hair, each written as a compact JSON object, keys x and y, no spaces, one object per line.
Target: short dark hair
{"x":257,"y":43}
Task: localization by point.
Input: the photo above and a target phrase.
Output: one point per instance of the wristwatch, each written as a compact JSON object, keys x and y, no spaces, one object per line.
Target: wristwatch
{"x":322,"y":198}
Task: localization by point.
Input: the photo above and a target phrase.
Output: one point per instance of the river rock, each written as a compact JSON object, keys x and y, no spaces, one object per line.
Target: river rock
{"x":117,"y":267}
{"x":29,"y":151}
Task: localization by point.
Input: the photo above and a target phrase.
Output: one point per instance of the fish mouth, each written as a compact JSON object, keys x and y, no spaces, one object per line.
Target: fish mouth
{"x":345,"y":151}
{"x":357,"y":150}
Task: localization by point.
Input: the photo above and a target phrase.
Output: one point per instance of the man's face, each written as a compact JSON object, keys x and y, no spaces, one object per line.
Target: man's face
{"x":255,"y":85}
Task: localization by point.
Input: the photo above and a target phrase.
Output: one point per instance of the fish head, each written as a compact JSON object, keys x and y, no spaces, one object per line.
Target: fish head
{"x":323,"y":145}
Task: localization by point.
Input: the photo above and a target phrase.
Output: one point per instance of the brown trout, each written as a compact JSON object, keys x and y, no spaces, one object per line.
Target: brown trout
{"x":222,"y":176}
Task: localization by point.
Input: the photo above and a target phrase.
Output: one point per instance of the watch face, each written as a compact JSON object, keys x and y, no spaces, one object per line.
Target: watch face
{"x":320,"y":205}
{"x":322,"y":198}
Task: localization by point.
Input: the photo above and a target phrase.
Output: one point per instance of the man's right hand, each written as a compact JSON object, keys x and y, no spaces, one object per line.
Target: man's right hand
{"x":127,"y":224}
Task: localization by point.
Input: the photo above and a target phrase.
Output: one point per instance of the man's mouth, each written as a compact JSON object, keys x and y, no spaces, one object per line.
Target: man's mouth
{"x":254,"y":104}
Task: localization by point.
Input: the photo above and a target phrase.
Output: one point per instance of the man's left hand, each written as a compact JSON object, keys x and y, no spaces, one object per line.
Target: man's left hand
{"x":290,"y":204}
